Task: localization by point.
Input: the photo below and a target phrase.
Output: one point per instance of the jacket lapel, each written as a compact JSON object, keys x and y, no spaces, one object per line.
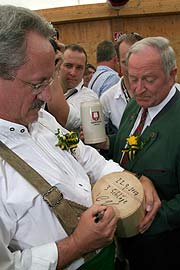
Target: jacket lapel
{"x":151,"y":132}
{"x":149,"y":137}
{"x":127,"y":125}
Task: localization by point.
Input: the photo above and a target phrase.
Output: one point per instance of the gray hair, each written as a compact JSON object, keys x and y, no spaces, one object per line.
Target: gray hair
{"x":167,"y":54}
{"x":15,"y":23}
{"x":129,"y":38}
{"x":105,"y":51}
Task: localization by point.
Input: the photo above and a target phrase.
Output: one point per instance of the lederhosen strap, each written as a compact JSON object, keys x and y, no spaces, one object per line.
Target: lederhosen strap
{"x":71,"y":93}
{"x":97,"y":78}
{"x":125,"y":91}
{"x":51,"y":194}
{"x":67,"y":212}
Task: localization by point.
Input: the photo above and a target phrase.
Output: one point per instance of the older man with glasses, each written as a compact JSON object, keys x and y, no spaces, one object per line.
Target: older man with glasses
{"x":36,"y":176}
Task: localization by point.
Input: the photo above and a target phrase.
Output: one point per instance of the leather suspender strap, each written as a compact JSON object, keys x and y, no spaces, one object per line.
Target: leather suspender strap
{"x":66,"y":211}
{"x":97,"y":78}
{"x":125,"y":91}
{"x":74,"y":91}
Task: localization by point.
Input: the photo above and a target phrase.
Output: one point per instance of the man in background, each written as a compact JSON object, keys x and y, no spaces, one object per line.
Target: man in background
{"x":106,"y":74}
{"x":89,"y":71}
{"x":115,"y":99}
{"x":65,"y":105}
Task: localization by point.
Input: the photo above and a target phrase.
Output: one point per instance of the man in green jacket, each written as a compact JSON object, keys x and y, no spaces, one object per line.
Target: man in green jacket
{"x":154,"y":151}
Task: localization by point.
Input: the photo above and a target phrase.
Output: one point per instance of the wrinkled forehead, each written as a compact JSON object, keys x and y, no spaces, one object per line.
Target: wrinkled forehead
{"x":37,"y":44}
{"x":39,"y":57}
{"x":144,"y":57}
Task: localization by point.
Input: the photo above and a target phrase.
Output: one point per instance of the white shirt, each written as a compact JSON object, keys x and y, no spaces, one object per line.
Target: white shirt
{"x":104,"y":78}
{"x":74,"y":101}
{"x":177,"y":86}
{"x":153,"y":111}
{"x":26,"y":221}
{"x":113,"y":104}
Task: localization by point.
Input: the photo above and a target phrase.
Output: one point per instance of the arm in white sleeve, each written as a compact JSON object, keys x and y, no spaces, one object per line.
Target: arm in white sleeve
{"x":43,"y":257}
{"x":94,"y":164}
{"x":39,"y":258}
{"x":106,"y":113}
{"x":73,"y":119}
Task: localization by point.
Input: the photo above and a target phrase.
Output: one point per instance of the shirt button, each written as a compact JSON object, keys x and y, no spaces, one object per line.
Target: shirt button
{"x":12,"y":129}
{"x":22,"y":130}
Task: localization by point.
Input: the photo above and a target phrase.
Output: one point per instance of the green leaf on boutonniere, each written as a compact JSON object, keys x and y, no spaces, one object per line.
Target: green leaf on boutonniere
{"x":68,"y":141}
{"x":134,"y":144}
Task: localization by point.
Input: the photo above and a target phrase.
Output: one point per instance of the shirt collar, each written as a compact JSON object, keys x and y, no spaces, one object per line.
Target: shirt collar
{"x":101,"y":68}
{"x":78,"y":87}
{"x":9,"y":129}
{"x":153,"y":111}
{"x":119,"y":93}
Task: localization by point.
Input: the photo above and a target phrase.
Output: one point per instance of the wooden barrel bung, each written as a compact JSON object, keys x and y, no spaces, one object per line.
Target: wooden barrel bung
{"x":124,"y":192}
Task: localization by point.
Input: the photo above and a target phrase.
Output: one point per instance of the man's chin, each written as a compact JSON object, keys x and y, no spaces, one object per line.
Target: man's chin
{"x":71,"y":86}
{"x":33,"y":113}
{"x":37,"y":104}
{"x":143,"y":103}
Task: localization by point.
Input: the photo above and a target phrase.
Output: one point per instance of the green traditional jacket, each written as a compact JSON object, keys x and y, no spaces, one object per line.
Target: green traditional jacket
{"x":159,"y":159}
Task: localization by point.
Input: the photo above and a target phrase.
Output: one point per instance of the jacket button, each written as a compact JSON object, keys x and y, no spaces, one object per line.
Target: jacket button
{"x":153,"y":135}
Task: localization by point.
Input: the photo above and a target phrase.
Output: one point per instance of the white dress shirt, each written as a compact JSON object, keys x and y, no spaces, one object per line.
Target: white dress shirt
{"x":26,"y":222}
{"x":84,"y":94}
{"x":113,"y":104}
{"x":151,"y":114}
{"x":153,"y":111}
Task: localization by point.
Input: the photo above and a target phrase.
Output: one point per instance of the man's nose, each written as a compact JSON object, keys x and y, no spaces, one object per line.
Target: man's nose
{"x":139,"y":86}
{"x":45,"y":94}
{"x":73,"y":71}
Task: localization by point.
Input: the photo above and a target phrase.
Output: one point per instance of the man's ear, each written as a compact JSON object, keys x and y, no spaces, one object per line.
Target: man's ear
{"x":173,"y":74}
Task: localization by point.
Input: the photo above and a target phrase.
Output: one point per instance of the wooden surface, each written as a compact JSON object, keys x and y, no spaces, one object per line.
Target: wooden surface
{"x":103,"y":11}
{"x":124,"y":192}
{"x":90,"y":24}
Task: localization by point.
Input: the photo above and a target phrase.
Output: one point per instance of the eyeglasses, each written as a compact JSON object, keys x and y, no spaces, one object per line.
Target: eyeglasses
{"x":36,"y":87}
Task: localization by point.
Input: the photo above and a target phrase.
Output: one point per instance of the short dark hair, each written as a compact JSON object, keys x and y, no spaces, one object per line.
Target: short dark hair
{"x":76,"y":47}
{"x":89,"y":66}
{"x":105,"y":51}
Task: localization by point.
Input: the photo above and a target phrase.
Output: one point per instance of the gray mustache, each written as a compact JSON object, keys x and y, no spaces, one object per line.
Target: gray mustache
{"x":37,"y":104}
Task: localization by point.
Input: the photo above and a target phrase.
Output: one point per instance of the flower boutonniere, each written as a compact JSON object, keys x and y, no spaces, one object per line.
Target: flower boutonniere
{"x":68,"y":141}
{"x":134,"y":144}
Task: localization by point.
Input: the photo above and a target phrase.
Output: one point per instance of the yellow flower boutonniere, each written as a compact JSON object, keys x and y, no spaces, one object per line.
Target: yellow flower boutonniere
{"x":134,"y":144}
{"x":68,"y":141}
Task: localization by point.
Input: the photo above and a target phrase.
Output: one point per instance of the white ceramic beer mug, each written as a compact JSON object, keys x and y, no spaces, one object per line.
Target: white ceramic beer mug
{"x":92,"y":122}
